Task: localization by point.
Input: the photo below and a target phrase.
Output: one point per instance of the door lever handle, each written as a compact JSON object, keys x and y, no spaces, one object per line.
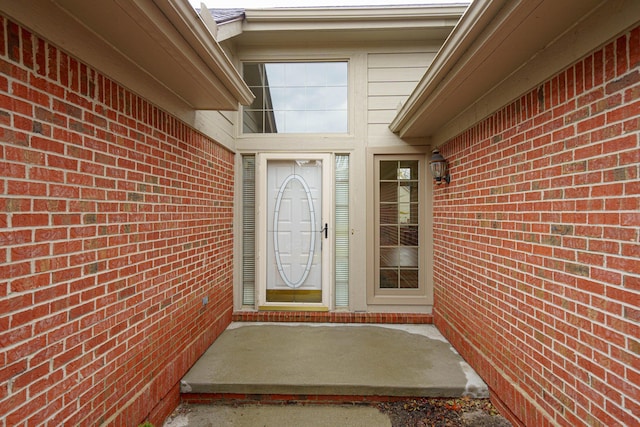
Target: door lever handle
{"x":326,"y":230}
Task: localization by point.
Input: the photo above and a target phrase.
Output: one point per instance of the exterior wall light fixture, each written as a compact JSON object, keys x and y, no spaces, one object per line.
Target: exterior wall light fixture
{"x":439,"y":168}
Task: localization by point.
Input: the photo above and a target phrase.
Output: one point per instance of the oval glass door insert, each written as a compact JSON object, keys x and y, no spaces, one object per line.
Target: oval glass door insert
{"x":291,"y":282}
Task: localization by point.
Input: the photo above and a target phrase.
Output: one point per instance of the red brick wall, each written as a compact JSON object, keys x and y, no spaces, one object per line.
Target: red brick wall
{"x":115,"y":223}
{"x":537,"y":253}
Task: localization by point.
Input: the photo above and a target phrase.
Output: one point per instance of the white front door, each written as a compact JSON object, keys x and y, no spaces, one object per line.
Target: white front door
{"x":294,"y":234}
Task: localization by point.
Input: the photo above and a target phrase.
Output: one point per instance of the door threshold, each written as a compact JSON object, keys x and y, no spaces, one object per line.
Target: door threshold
{"x":294,"y":296}
{"x":291,"y":308}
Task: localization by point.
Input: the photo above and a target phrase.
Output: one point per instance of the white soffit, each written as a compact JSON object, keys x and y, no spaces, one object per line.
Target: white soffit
{"x":286,"y":26}
{"x":160,"y":49}
{"x":502,"y":44}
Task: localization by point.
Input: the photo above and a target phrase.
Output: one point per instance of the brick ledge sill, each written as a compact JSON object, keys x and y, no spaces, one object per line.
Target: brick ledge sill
{"x":332,"y":317}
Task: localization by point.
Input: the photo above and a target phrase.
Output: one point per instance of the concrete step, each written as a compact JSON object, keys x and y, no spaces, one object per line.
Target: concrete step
{"x":312,"y":360}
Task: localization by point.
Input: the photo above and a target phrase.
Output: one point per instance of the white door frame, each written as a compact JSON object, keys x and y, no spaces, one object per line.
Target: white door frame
{"x":326,"y":213}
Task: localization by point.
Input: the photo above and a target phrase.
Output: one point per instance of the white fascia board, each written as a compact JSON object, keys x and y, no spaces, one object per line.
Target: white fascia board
{"x":351,"y":18}
{"x":353,"y":14}
{"x":229,"y":30}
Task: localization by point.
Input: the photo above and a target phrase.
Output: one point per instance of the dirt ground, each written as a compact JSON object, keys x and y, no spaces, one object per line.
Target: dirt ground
{"x":462,"y":412}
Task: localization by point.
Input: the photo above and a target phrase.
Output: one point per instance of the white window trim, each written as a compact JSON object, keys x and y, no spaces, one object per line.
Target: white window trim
{"x":354,"y":63}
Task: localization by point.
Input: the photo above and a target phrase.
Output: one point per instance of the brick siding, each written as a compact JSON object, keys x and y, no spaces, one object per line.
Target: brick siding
{"x":115,"y":223}
{"x":537,"y":245}
{"x":333,"y":317}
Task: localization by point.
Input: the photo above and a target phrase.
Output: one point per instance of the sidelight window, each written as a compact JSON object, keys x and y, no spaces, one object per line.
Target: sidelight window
{"x":398,"y":224}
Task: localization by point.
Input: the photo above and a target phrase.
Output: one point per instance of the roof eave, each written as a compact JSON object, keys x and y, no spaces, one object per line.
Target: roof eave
{"x":472,"y":23}
{"x":321,"y":25}
{"x":194,"y":30}
{"x":354,"y":14}
{"x":496,"y":46}
{"x":160,"y":49}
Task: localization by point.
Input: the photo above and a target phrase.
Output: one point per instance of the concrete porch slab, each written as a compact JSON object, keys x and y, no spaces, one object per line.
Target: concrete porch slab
{"x":333,"y":359}
{"x":277,"y":416}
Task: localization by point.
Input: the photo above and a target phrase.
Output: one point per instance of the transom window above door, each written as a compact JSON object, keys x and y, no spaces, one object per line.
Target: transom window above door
{"x":296,"y":97}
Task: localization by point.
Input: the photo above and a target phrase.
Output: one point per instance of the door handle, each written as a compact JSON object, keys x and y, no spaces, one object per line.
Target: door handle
{"x":325,"y":230}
